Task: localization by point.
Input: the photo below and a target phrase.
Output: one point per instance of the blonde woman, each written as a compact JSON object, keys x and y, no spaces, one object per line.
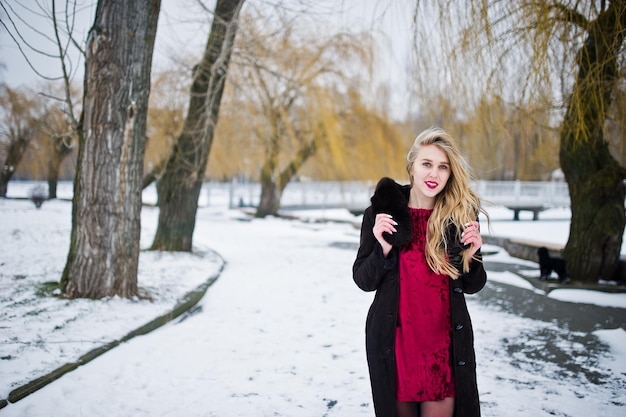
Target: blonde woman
{"x":420,"y":251}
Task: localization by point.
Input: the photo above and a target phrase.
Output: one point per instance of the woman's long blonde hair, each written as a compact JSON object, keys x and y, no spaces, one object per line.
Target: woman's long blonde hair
{"x":457,"y":203}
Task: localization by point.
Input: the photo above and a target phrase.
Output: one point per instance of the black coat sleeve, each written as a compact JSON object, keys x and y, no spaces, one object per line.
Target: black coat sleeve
{"x":476,"y":278}
{"x":370,"y":266}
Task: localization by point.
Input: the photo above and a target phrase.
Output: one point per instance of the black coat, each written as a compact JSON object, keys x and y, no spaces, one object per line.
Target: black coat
{"x":373,"y":272}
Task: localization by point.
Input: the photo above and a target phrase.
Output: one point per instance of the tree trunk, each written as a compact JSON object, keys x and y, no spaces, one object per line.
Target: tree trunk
{"x":179,"y":187}
{"x":154,"y":174}
{"x":104,"y":245}
{"x":16,"y":151}
{"x":271,"y":193}
{"x":53,"y":176}
{"x":594,"y":177}
{"x":272,"y":186}
{"x":61,"y":147}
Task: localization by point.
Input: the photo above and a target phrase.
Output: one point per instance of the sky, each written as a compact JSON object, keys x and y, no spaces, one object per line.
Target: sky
{"x":281,"y":331}
{"x":182,"y":33}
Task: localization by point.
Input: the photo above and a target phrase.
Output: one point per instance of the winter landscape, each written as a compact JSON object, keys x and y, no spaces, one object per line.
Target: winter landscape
{"x":281,"y":330}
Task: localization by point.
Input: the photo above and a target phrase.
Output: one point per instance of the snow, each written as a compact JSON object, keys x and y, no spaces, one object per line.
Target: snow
{"x":281,"y":331}
{"x":589,"y":297}
{"x":615,"y":338}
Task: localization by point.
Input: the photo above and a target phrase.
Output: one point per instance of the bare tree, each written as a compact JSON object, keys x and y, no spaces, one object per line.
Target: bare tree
{"x":59,"y":135}
{"x":179,"y":186}
{"x":66,"y":125}
{"x":104,"y":246}
{"x":56,"y":43}
{"x":560,"y":55}
{"x":21,"y":125}
{"x":34,"y":133}
{"x":166,"y":114}
{"x":61,"y":143}
{"x":357,"y":140}
{"x":288,"y":76}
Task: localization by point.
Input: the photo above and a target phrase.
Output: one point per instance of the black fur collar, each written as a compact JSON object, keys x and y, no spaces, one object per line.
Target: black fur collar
{"x":393,"y":198}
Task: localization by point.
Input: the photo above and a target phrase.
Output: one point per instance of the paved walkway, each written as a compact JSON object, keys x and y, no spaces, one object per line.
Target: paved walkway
{"x":536,"y":306}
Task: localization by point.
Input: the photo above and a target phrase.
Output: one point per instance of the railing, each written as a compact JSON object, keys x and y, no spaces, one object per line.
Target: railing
{"x":521,"y":194}
{"x":355,"y":195}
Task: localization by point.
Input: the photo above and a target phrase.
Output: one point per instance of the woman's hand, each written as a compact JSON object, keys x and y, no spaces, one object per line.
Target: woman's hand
{"x":384,"y":223}
{"x":471,"y":236}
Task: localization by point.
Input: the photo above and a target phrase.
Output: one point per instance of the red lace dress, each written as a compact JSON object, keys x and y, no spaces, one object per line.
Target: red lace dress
{"x":424,"y":371}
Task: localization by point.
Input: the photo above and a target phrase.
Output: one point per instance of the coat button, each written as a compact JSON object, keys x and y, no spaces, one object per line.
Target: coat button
{"x":458,"y":290}
{"x":461,"y":363}
{"x":458,"y":327}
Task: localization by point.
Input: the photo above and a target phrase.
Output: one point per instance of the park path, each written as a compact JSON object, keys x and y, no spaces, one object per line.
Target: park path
{"x":281,"y":334}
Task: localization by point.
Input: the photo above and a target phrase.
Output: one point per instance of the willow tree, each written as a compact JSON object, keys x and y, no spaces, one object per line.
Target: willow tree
{"x":357,"y":138}
{"x":60,"y":131}
{"x":563,"y":55}
{"x":288,"y":72}
{"x":21,"y":114}
{"x":60,"y":145}
{"x":104,"y":246}
{"x":179,"y":185}
{"x":369,"y":143}
{"x":495,"y":133}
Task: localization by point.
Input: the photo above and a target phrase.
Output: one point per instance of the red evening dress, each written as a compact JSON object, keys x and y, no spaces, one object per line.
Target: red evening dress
{"x":424,"y":371}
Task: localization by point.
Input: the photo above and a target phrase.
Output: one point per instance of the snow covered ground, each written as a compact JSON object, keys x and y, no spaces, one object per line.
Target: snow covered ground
{"x":281,"y":332}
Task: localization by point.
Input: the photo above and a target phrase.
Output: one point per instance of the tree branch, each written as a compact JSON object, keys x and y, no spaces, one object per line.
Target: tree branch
{"x":568,"y":15}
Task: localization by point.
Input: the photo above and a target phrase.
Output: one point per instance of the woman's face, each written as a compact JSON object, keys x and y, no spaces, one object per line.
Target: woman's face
{"x":430,"y":172}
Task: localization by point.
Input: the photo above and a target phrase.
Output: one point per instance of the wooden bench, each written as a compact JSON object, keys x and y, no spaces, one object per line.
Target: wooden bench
{"x":535,"y":209}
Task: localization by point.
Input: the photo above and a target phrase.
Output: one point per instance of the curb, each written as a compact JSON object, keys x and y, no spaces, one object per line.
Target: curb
{"x":527,"y":250}
{"x":185,"y":304}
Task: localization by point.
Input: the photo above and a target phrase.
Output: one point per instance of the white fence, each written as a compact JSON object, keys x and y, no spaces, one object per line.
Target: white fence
{"x":524,"y":194}
{"x":355,"y":195}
